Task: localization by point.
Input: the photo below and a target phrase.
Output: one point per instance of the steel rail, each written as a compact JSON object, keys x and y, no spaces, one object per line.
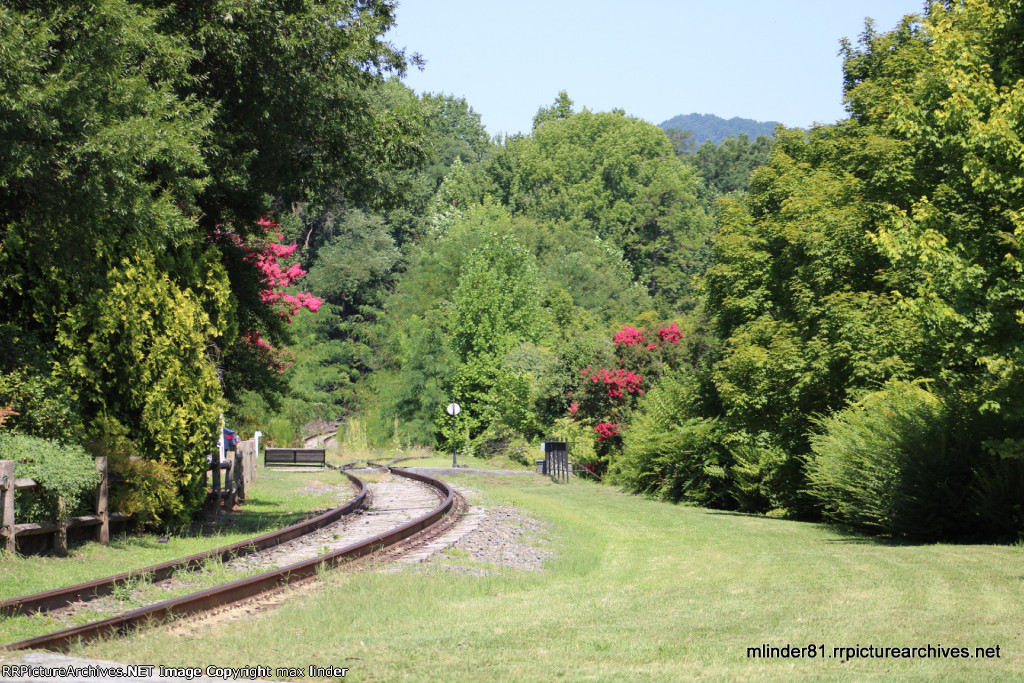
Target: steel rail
{"x":243,"y":588}
{"x":60,"y":597}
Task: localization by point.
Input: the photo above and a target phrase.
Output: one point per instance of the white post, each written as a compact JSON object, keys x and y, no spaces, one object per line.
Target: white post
{"x":220,"y":441}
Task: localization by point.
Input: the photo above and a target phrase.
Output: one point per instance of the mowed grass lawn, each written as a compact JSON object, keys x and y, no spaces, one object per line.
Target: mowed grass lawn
{"x":641,"y":590}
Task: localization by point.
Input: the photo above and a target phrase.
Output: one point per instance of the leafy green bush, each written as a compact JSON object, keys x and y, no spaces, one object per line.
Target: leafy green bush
{"x":893,"y":464}
{"x":671,"y":453}
{"x":42,"y":403}
{"x":998,"y":497}
{"x":61,"y":470}
{"x":764,"y":477}
{"x":146,"y":489}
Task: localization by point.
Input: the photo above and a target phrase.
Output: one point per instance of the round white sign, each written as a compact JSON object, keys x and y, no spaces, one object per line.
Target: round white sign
{"x":453,"y":409}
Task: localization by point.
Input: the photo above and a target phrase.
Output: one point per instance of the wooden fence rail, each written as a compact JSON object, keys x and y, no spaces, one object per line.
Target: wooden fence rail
{"x":239,"y":477}
{"x":240,"y":471}
{"x":10,"y":530}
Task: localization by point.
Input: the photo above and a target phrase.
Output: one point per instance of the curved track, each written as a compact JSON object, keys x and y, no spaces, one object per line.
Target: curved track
{"x":60,"y":597}
{"x":236,"y":590}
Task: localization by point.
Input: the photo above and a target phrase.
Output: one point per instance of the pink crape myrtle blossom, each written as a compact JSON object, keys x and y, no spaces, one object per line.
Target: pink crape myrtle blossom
{"x":628,"y":336}
{"x":670,"y":334}
{"x":268,"y":259}
{"x":606,"y":430}
{"x":618,"y":381}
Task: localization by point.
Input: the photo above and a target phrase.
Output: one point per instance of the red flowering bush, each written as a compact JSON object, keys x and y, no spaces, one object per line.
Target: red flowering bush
{"x":262,"y":271}
{"x":268,"y":258}
{"x":606,"y":397}
{"x":618,"y":382}
{"x":628,"y":336}
{"x":606,"y":430}
{"x":671,"y":334}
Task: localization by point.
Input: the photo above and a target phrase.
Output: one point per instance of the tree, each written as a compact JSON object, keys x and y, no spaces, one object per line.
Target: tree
{"x":355,"y":262}
{"x":296,"y":91}
{"x":884,"y":248}
{"x":726,"y":167}
{"x":496,"y":306}
{"x":560,"y":109}
{"x":615,"y":176}
{"x":141,"y":142}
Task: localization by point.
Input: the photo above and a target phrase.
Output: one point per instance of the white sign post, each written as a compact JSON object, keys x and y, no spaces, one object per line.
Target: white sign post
{"x":453,"y":409}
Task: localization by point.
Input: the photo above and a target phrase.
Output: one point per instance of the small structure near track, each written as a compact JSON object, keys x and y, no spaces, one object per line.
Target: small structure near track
{"x":556,"y":459}
{"x":295,"y":457}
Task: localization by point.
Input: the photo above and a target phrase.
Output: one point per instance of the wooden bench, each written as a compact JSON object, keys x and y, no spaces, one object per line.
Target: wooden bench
{"x":294,"y":457}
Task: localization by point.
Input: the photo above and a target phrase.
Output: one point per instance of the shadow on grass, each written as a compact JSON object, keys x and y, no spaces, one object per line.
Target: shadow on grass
{"x":848,"y":535}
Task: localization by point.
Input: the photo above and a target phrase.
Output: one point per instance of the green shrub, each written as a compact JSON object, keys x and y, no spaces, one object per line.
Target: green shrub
{"x":147,"y":489}
{"x":42,"y":404}
{"x":764,"y":477}
{"x":671,"y":453}
{"x":61,"y":470}
{"x":998,"y":497}
{"x":894,"y":464}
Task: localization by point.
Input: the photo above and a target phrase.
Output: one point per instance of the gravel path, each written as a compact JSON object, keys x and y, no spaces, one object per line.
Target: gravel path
{"x":486,"y":540}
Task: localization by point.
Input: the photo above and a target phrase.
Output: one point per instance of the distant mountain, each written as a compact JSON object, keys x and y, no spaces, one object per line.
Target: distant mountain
{"x":714,"y":128}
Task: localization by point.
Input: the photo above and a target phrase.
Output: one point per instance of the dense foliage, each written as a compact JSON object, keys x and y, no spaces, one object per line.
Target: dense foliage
{"x":141,"y":144}
{"x":826,"y":323}
{"x":884,"y":248}
{"x":617,"y":177}
{"x":62,"y":473}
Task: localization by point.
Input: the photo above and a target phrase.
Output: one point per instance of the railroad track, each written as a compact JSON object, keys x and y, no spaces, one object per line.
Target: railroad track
{"x":354,"y":544}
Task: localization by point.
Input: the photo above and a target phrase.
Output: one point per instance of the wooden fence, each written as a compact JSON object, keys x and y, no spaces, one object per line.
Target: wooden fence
{"x":239,"y":475}
{"x":10,"y":530}
{"x":239,"y":471}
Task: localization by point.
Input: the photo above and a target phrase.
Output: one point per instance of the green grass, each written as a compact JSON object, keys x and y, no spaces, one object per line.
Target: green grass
{"x":641,"y":591}
{"x":274,"y":502}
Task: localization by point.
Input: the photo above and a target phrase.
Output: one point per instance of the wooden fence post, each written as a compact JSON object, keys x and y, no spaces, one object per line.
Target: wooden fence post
{"x":102,"y":509}
{"x":230,"y":491}
{"x":7,"y":493}
{"x":239,"y":469}
{"x":254,"y":461}
{"x":62,"y":527}
{"x":215,"y":471}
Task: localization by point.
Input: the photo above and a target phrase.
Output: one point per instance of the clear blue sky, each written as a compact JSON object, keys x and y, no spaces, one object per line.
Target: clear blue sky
{"x":769,"y":60}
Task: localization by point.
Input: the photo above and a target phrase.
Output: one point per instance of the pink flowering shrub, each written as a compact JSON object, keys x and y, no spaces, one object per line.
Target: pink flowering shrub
{"x":275,"y":275}
{"x":606,"y":430}
{"x":619,"y":382}
{"x":269,"y":258}
{"x":628,"y":336}
{"x":606,"y":397}
{"x":670,"y":335}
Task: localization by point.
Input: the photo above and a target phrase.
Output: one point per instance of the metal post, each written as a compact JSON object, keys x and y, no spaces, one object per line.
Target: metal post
{"x":453,"y":409}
